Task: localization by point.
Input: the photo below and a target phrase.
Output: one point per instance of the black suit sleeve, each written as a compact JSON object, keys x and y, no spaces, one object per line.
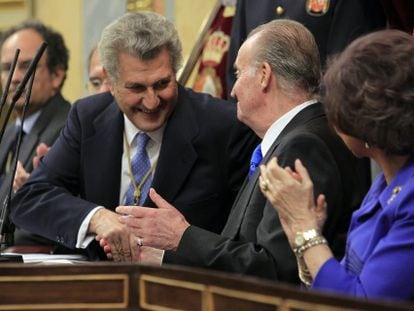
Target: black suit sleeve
{"x":266,"y":252}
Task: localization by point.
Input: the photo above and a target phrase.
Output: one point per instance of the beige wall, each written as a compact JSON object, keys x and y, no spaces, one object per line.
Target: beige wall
{"x":66,"y":17}
{"x":189,"y":16}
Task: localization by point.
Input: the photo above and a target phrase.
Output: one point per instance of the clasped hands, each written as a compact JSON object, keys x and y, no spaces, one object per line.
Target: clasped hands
{"x":136,"y":233}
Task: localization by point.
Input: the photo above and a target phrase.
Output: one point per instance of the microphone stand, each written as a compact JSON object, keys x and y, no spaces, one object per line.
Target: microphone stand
{"x":6,"y":93}
{"x":6,"y":236}
{"x":22,"y":85}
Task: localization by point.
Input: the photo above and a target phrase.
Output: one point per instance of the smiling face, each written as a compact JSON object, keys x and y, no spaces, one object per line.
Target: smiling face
{"x":146,"y":91}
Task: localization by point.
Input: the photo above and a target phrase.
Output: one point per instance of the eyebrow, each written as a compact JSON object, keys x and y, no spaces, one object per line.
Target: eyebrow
{"x":137,"y":84}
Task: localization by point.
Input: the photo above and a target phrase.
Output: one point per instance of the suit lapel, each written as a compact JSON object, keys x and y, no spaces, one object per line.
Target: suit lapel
{"x":104,"y":150}
{"x":177,"y":155}
{"x":239,"y":208}
{"x":5,"y":146}
{"x":32,"y":139}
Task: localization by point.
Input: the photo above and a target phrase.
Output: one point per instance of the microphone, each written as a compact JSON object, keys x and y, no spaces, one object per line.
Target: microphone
{"x":22,"y":85}
{"x":6,"y":236}
{"x":6,"y":91}
{"x":29,"y":72}
{"x":6,"y":227}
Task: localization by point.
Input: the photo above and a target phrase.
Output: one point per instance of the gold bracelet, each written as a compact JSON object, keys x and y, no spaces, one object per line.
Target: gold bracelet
{"x":318,"y":240}
{"x":304,"y":274}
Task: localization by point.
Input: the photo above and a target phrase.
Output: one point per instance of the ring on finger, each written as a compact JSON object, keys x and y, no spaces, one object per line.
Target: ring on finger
{"x":265,"y":185}
{"x":140,"y":242}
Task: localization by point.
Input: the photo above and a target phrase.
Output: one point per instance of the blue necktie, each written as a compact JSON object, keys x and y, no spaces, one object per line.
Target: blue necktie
{"x":140,"y":164}
{"x":255,"y":160}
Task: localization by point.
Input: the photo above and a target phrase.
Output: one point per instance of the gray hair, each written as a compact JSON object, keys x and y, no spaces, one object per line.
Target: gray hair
{"x":291,"y":51}
{"x":143,"y":35}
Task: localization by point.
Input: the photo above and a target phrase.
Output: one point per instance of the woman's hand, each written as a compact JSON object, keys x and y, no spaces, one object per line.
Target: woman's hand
{"x":291,"y":194}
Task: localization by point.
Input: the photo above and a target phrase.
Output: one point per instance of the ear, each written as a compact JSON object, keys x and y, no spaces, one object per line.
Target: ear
{"x":265,"y":72}
{"x":110,"y":85}
{"x":57,"y":77}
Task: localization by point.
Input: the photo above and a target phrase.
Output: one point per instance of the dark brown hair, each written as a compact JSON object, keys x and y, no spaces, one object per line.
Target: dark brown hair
{"x":369,"y":91}
{"x":57,"y":54}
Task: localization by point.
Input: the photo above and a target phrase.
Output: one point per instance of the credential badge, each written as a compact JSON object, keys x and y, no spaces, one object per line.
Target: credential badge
{"x":317,"y":7}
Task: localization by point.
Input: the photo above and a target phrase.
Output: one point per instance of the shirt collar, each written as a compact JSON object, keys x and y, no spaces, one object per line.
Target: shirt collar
{"x":277,"y":127}
{"x":131,"y":131}
{"x":29,"y":121}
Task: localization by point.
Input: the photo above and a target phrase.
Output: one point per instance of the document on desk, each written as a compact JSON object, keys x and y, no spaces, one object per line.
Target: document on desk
{"x":51,"y":258}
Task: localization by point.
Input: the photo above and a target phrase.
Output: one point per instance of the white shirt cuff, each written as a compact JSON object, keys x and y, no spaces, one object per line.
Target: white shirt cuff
{"x":84,"y":238}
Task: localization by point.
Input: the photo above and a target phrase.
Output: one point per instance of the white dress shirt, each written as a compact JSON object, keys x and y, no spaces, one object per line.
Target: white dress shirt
{"x":277,"y":127}
{"x":153,"y":148}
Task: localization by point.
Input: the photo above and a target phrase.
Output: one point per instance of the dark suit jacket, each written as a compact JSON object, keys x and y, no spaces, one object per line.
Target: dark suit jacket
{"x":253,"y":241}
{"x":45,"y":130}
{"x":202,"y":163}
{"x":344,"y":21}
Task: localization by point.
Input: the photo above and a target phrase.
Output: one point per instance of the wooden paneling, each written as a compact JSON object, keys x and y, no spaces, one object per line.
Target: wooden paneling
{"x":111,"y":286}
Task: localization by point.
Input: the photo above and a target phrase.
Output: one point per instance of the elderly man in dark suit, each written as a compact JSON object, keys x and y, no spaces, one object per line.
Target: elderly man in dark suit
{"x":147,"y":131}
{"x":47,"y":109}
{"x":278,"y":73}
{"x":334,"y":24}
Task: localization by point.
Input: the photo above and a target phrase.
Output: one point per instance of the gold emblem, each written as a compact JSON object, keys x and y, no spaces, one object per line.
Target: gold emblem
{"x":208,"y":81}
{"x":395,"y":191}
{"x":317,"y":7}
{"x":217,"y":45}
{"x":279,"y":10}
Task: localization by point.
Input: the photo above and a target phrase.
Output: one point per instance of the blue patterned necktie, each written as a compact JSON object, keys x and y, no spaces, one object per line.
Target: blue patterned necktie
{"x":140,"y":165}
{"x":255,"y":160}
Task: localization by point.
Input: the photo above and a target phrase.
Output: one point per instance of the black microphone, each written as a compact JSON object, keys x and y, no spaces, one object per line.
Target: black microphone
{"x":6,"y":92}
{"x":6,"y":227}
{"x":6,"y":231}
{"x":22,"y":85}
{"x":29,"y":72}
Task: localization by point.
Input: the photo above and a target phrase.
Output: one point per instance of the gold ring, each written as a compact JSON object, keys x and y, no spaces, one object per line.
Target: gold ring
{"x":140,"y":242}
{"x":265,"y":185}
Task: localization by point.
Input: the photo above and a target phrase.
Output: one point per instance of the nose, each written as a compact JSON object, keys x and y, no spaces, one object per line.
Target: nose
{"x":151,"y":99}
{"x":233,"y":93}
{"x":17,"y":75}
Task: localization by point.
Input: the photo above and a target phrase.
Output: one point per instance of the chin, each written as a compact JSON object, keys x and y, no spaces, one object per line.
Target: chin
{"x":148,"y":126}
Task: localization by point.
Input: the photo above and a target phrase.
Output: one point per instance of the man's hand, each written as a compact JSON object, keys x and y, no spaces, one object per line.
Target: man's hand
{"x":20,"y":177}
{"x":135,"y":249}
{"x":21,"y":174}
{"x":41,"y":151}
{"x":149,"y":255}
{"x":160,"y":227}
{"x":142,"y":254}
{"x":105,"y":224}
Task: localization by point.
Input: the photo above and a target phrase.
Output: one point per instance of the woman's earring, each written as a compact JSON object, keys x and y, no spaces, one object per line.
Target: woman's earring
{"x":366,"y":145}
